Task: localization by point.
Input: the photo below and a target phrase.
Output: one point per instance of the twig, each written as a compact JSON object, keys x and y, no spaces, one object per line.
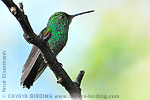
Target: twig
{"x":79,"y":77}
{"x":21,"y":7}
{"x":63,"y":78}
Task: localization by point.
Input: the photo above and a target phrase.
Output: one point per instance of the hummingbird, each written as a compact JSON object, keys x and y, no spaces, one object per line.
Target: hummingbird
{"x":57,"y":28}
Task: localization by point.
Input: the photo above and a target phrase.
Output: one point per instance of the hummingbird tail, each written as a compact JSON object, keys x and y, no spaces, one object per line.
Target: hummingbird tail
{"x":33,"y":68}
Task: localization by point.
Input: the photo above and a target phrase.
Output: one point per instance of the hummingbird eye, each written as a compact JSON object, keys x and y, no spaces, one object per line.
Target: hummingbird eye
{"x":61,"y":17}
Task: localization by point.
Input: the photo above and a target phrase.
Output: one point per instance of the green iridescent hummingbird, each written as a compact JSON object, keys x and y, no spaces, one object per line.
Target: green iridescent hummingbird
{"x":57,"y":27}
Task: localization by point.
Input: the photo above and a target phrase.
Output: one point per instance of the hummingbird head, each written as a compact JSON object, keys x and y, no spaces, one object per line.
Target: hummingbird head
{"x":62,"y":20}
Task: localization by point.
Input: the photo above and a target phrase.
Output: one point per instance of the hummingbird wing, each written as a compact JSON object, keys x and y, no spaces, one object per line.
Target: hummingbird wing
{"x":34,"y":65}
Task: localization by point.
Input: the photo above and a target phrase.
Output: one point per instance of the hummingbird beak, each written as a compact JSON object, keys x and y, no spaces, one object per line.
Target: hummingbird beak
{"x":72,"y":16}
{"x":82,"y":13}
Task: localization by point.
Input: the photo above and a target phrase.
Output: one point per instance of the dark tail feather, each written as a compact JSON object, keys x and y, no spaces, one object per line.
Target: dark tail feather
{"x":35,"y":73}
{"x":33,"y":68}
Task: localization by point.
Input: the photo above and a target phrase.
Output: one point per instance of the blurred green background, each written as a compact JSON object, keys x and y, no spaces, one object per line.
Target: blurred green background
{"x":111,"y":45}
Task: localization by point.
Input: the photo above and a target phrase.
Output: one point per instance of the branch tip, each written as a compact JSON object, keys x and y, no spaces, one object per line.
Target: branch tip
{"x":79,"y":77}
{"x":82,"y":72}
{"x":21,"y":6}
